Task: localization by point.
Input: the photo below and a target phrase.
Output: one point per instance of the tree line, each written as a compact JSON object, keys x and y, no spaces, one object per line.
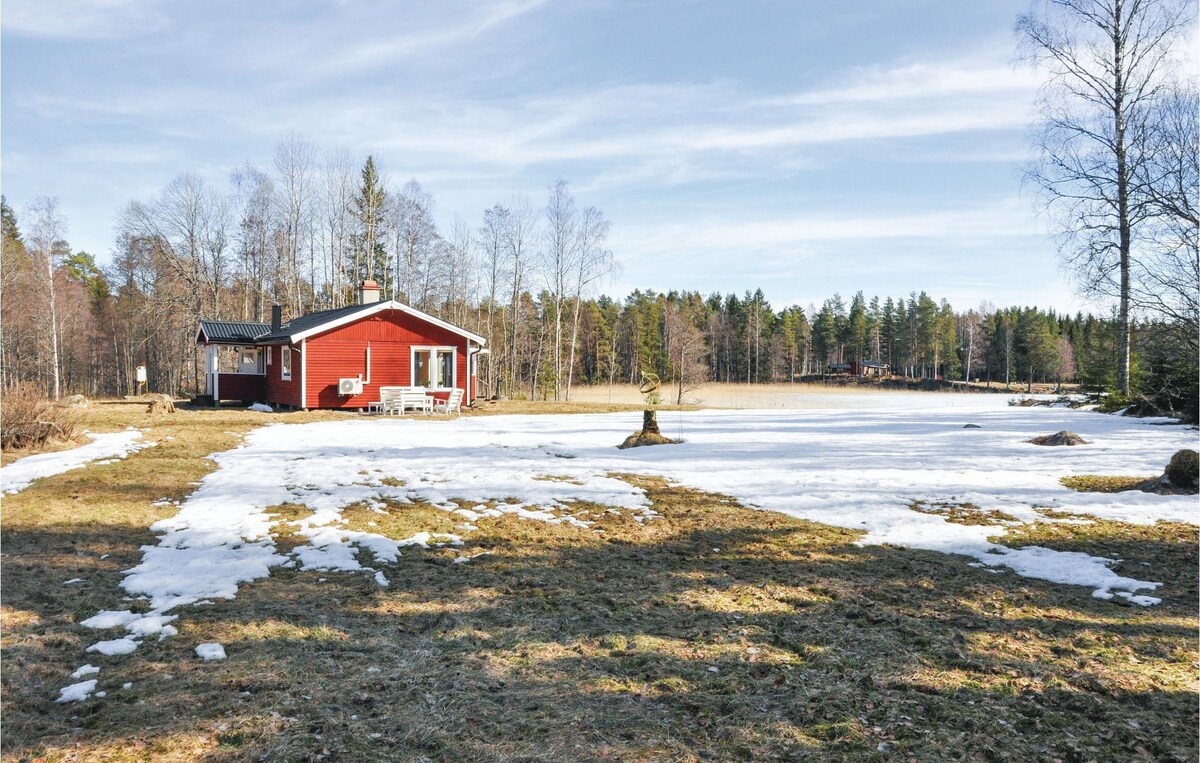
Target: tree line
{"x":521,"y":277}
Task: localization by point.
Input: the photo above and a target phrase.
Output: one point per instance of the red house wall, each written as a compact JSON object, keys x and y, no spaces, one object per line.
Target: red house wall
{"x":278,"y":390}
{"x":341,"y":353}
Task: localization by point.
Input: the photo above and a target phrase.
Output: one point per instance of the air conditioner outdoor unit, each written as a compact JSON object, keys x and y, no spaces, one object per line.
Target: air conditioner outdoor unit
{"x":349,"y":386}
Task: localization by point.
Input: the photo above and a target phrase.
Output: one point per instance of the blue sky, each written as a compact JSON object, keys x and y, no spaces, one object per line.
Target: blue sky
{"x":801,"y":147}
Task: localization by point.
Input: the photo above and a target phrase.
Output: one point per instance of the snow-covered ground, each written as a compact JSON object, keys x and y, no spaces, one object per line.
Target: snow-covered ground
{"x":855,"y":467}
{"x":104,"y":447}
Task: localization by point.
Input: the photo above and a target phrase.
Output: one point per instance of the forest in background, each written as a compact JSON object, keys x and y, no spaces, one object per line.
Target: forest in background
{"x":304,"y":234}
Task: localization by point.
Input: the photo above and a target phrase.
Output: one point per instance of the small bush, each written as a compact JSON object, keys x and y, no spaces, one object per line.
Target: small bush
{"x":29,"y":420}
{"x":1184,"y":468}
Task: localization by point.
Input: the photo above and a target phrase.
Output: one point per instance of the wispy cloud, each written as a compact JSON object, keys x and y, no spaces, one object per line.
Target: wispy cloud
{"x":478,"y":21}
{"x":83,"y":19}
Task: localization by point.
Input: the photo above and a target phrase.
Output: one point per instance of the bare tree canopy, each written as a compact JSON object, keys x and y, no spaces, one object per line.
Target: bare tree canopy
{"x":1109,"y":66}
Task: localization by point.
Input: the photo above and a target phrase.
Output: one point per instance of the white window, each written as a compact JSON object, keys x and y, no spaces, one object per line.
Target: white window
{"x":433,"y":367}
{"x":250,"y":361}
{"x":285,"y":360}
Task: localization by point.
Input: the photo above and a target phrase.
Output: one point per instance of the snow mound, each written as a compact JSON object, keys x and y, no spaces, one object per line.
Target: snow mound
{"x":261,"y":408}
{"x":77,"y":692}
{"x":210,"y":651}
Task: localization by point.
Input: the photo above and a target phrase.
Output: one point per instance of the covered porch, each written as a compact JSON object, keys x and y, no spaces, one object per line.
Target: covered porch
{"x":235,"y":372}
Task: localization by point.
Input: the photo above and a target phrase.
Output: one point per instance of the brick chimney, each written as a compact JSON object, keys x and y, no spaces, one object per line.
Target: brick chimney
{"x":368,"y":292}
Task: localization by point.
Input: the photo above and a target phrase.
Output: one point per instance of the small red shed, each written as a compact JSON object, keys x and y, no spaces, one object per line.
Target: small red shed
{"x":306,"y":362}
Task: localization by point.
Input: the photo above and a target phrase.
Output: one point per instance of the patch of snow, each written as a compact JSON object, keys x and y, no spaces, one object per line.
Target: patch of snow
{"x":72,"y":581}
{"x":104,"y":448}
{"x":259,"y":407}
{"x":85,"y":670}
{"x":127,"y":685}
{"x":109,"y":618}
{"x":858,"y":467}
{"x":77,"y":692}
{"x":114,"y":647}
{"x":210,"y":651}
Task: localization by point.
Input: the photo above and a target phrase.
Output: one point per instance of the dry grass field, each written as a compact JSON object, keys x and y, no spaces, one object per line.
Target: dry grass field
{"x":716,"y":633}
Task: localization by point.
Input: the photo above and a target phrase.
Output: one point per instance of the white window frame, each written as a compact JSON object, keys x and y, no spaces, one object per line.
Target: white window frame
{"x":256,"y":363}
{"x":285,"y":363}
{"x":269,"y":354}
{"x":434,"y":350}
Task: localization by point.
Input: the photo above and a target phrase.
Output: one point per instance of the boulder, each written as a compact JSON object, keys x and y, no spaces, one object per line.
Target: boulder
{"x":75,"y":401}
{"x":1059,"y":438}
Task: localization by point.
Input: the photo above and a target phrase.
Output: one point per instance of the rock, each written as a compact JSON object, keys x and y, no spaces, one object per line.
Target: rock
{"x":75,"y":401}
{"x":972,"y":426}
{"x":1184,"y":469}
{"x":1059,"y":438}
{"x":159,"y":403}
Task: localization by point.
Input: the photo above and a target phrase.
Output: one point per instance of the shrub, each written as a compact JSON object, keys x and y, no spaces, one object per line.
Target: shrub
{"x":29,"y":420}
{"x":1184,"y":468}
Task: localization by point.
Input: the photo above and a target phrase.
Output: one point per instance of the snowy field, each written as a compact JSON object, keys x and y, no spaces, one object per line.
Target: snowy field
{"x":857,"y":468}
{"x":104,"y":448}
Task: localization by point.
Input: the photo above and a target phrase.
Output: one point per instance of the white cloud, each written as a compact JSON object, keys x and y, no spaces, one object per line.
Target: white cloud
{"x":82,"y":19}
{"x":478,"y":21}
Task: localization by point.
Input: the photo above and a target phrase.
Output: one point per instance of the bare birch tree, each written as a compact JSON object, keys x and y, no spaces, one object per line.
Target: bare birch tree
{"x":254,"y":198}
{"x":46,"y":230}
{"x":491,"y":241}
{"x":593,"y":262}
{"x":1106,"y":63}
{"x":520,"y":237}
{"x":337,"y":199}
{"x":561,"y":256}
{"x":295,"y":160}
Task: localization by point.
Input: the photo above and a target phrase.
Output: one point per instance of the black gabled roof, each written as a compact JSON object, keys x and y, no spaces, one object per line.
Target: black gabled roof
{"x":305,"y":322}
{"x":245,"y":332}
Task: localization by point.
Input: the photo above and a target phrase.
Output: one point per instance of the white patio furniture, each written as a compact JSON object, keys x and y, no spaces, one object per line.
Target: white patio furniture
{"x":414,"y":398}
{"x":453,"y":403}
{"x":390,"y":400}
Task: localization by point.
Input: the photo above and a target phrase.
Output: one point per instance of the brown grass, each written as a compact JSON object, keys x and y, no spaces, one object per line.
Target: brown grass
{"x":28,"y":421}
{"x":1099,"y":483}
{"x":559,"y":643}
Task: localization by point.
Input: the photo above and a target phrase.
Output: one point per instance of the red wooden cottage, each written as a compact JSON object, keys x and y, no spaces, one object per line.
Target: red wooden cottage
{"x":307,"y":362}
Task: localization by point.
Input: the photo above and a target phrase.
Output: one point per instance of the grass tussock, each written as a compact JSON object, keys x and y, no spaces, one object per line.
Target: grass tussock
{"x":962,"y":513}
{"x":715,"y":632}
{"x":1099,"y":483}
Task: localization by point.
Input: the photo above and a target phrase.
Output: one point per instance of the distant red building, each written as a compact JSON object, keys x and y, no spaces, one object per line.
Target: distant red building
{"x":314,"y":361}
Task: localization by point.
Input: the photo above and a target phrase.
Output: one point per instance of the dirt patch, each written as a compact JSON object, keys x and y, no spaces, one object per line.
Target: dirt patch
{"x":1059,"y":438}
